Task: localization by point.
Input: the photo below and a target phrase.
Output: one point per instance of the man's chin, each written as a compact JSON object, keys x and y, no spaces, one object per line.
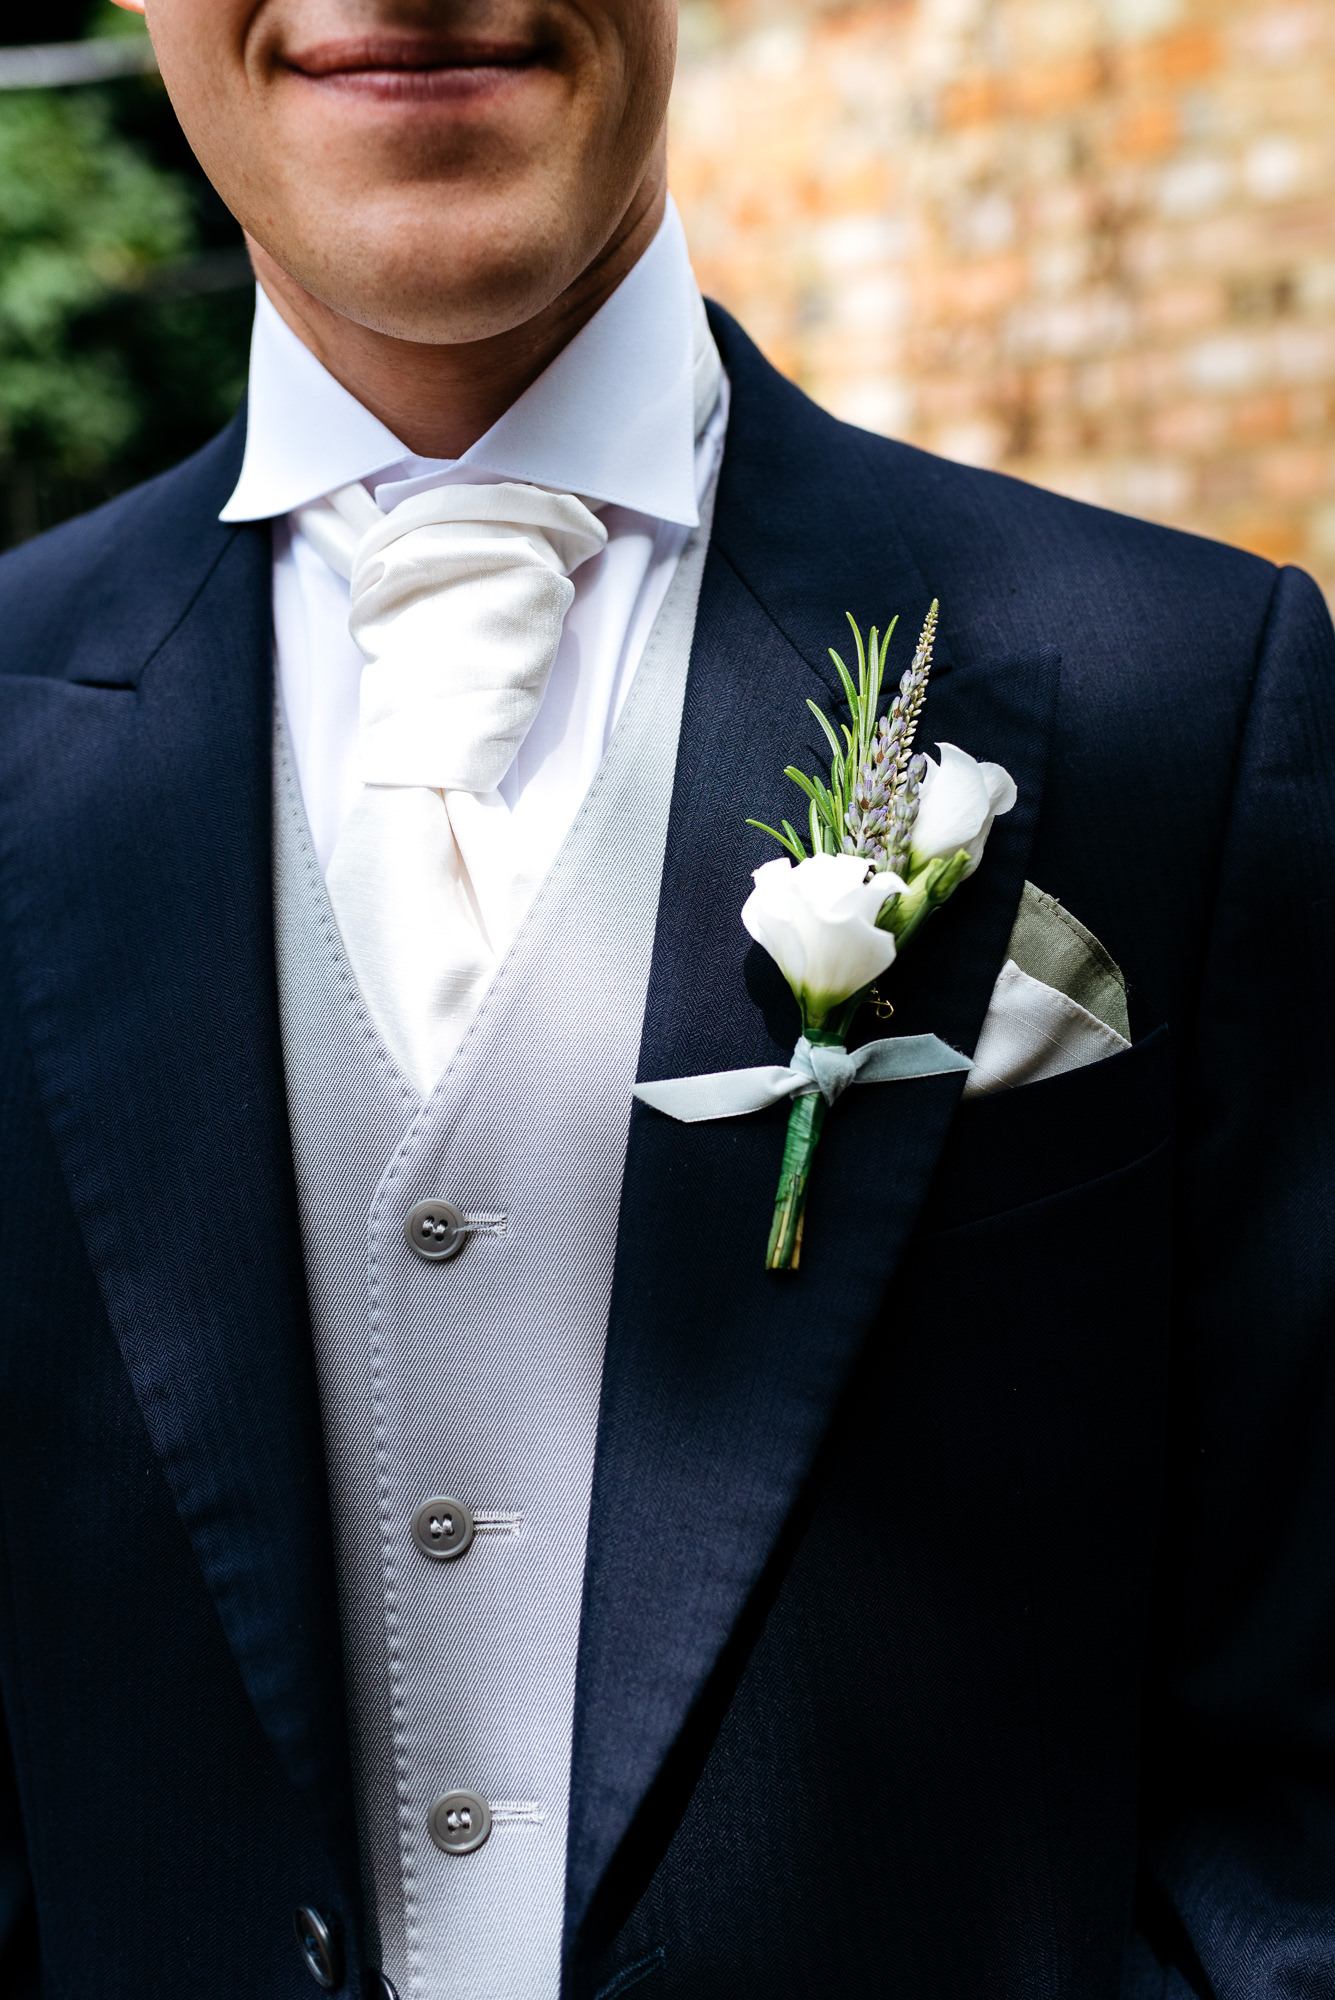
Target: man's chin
{"x":429,"y":285}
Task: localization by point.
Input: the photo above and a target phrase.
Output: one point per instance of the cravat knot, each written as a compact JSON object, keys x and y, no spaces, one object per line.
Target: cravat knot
{"x":458,"y":599}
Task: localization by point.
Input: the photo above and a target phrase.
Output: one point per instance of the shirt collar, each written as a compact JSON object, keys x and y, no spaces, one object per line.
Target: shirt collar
{"x":613,"y":418}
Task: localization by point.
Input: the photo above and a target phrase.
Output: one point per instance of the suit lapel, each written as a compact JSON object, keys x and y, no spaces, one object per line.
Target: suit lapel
{"x":135,"y":878}
{"x":720,"y":1378}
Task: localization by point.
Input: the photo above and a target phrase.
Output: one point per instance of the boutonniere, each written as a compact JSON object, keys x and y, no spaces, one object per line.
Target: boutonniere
{"x":892,"y":836}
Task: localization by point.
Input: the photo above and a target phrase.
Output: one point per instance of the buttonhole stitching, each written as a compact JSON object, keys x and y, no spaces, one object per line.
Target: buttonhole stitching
{"x":486,"y":1225}
{"x":498,"y":1524}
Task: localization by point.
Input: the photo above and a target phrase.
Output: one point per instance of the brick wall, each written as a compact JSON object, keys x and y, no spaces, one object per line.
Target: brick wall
{"x":1089,"y":242}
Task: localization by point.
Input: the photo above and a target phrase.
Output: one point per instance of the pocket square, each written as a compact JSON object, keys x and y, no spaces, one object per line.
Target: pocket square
{"x":1059,"y":1002}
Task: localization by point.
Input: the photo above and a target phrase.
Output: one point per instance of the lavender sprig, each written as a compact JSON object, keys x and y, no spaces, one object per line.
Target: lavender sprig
{"x":884,"y":806}
{"x":870,"y":805}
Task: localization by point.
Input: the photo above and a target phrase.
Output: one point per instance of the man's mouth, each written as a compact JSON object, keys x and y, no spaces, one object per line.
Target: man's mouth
{"x":408,"y":67}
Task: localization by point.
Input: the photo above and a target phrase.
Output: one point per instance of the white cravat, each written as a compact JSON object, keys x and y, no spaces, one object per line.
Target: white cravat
{"x":457,"y":602}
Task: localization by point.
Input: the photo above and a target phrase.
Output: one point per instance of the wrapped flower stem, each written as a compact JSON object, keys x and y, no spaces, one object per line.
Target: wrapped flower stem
{"x":790,"y":1204}
{"x":805,"y":1122}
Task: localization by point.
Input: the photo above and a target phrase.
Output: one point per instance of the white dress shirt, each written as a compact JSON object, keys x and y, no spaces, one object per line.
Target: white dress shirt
{"x":630,"y":416}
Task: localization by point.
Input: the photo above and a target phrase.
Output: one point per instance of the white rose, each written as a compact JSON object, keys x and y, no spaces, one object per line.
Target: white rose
{"x":818,"y":922}
{"x":960,"y":800}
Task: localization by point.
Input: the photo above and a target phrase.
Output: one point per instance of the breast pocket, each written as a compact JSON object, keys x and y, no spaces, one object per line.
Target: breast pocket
{"x":1024,"y":1145}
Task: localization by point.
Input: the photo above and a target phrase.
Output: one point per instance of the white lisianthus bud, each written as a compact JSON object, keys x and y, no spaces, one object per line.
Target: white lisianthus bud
{"x":960,"y":800}
{"x":817,"y":921}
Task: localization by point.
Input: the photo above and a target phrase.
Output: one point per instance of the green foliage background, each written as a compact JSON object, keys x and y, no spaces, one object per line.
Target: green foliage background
{"x":125,"y":303}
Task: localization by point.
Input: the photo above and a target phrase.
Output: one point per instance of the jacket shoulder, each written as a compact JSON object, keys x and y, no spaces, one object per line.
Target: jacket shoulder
{"x":1023,"y":538}
{"x":93,"y":578}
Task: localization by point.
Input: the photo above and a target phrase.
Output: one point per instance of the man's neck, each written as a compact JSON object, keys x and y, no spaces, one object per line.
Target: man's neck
{"x":440,"y":399}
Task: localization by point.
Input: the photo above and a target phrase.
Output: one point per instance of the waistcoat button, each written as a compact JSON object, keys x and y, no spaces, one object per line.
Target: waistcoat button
{"x":319,"y":1948}
{"x":436,"y":1230}
{"x":383,"y":1988}
{"x":443,"y":1528}
{"x":460,"y":1822}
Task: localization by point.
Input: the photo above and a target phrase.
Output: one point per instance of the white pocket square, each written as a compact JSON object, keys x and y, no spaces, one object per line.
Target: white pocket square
{"x":1059,"y":1002}
{"x":1032,"y":1031}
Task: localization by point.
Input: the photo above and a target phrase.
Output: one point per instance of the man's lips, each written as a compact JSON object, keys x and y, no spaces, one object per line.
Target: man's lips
{"x":414,"y":67}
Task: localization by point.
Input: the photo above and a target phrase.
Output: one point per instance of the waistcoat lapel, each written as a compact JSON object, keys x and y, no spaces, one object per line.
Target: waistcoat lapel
{"x":135,"y":878}
{"x":721,"y":1378}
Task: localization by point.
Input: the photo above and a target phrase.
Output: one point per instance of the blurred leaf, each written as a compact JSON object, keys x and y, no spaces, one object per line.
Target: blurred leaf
{"x":111,"y":367}
{"x":82,"y":216}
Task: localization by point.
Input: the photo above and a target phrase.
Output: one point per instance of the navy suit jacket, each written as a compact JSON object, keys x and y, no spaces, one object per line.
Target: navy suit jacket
{"x":960,"y":1612}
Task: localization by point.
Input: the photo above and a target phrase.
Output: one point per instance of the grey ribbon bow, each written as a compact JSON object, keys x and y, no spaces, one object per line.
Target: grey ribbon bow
{"x":732,"y":1093}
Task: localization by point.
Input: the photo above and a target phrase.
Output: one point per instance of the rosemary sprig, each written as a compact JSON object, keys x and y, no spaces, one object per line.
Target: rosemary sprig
{"x":870,"y":803}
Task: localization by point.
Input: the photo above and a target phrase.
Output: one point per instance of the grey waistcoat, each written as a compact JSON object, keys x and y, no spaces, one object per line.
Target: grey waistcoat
{"x":477,"y":1378}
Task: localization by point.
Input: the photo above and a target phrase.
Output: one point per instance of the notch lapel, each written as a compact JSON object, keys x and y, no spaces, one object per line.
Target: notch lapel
{"x":721,"y":1378}
{"x":135,"y":882}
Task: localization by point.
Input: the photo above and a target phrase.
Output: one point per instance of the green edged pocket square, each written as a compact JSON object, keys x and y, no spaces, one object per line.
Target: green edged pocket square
{"x":1058,"y":1004}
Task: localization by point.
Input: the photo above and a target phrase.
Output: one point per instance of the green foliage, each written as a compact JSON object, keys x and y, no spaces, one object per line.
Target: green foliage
{"x":827,"y":808}
{"x":83,"y":218}
{"x":125,"y":301}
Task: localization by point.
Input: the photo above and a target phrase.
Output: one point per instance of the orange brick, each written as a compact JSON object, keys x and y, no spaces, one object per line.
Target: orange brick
{"x":1039,"y":92}
{"x":1301,"y":472}
{"x":1277,"y":539}
{"x":858,"y":189}
{"x":1258,"y":419}
{"x":1173,"y":59}
{"x":970,"y":100}
{"x":975,"y":291}
{"x":1191,"y":427}
{"x":1146,"y":131}
{"x":1184,"y":308}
